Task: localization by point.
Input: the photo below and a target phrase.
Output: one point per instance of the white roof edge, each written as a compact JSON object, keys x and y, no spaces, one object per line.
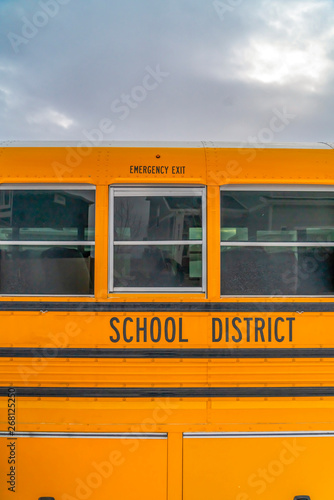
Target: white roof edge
{"x":271,"y":145}
{"x":166,"y":144}
{"x":102,"y":144}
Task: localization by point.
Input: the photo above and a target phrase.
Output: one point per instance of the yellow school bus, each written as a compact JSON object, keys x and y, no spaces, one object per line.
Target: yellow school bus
{"x":167,"y":321}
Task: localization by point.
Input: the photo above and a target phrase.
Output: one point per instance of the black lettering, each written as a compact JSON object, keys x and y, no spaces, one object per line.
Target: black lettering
{"x":178,"y":169}
{"x":155,"y":339}
{"x":226,"y":330}
{"x":220,"y":334}
{"x":269,"y":329}
{"x":239,"y":338}
{"x":172,"y":338}
{"x":131,"y":171}
{"x":290,"y":320}
{"x":248,"y":320}
{"x":118,"y":336}
{"x":158,"y":170}
{"x":142,"y":329}
{"x":144,"y":170}
{"x":127,"y":339}
{"x":277,"y":320}
{"x":181,"y":339}
{"x":135,"y":170}
{"x":259,"y":329}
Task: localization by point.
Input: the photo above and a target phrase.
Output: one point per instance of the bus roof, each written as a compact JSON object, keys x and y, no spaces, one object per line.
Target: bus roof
{"x":167,"y":144}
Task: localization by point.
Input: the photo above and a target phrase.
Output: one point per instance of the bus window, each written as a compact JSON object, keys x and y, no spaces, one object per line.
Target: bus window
{"x":46,"y":240}
{"x":277,"y":242}
{"x":157,"y":239}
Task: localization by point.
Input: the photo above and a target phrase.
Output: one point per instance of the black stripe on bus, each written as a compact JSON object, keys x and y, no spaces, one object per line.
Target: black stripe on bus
{"x":55,"y":352}
{"x":171,"y":307}
{"x":169,"y":392}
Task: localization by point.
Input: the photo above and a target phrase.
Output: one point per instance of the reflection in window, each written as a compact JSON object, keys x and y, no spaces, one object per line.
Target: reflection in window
{"x":157,"y":239}
{"x":278,"y":215}
{"x":292,"y":237}
{"x":47,"y":241}
{"x":158,"y":218}
{"x":158,"y":266}
{"x":45,"y":215}
{"x":46,"y":270}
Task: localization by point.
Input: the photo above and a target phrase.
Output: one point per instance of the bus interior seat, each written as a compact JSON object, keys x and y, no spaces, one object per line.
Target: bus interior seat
{"x":283,"y":272}
{"x":245,"y":271}
{"x":254,"y":271}
{"x":57,"y":270}
{"x":316,"y":271}
{"x":20,"y":273}
{"x":66,"y":271}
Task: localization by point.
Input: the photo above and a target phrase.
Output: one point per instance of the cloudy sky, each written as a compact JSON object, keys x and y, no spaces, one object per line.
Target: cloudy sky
{"x":229,"y":70}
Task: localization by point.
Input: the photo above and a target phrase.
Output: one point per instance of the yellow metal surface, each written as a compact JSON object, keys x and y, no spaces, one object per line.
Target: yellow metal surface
{"x":170,"y":414}
{"x":167,"y":372}
{"x":279,"y":468}
{"x":51,"y":331}
{"x":172,"y":468}
{"x":76,"y":468}
{"x":213,"y":168}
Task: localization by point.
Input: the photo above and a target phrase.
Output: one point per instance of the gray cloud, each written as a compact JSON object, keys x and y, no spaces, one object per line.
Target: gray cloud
{"x":230,"y":65}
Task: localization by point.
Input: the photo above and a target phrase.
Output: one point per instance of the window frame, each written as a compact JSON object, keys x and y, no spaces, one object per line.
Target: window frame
{"x":273,"y":187}
{"x":136,"y":190}
{"x":50,"y":243}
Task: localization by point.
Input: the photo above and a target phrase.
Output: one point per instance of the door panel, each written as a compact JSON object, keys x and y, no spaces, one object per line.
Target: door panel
{"x":253,"y":467}
{"x":82,"y":468}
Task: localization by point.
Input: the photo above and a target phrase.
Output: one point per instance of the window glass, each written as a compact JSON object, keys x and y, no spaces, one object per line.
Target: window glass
{"x":143,"y":224}
{"x":278,"y":215}
{"x":234,"y":234}
{"x":291,"y":235}
{"x":154,"y":218}
{"x":277,"y":270}
{"x":158,"y":266}
{"x":33,"y":223}
{"x":46,"y":270}
{"x":41,"y":215}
